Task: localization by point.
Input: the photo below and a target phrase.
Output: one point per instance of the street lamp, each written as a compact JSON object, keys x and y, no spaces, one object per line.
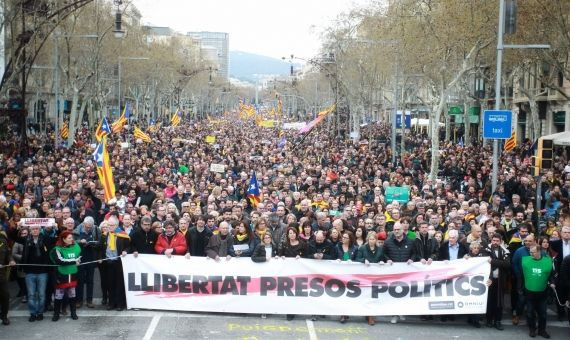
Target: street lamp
{"x":118,"y":31}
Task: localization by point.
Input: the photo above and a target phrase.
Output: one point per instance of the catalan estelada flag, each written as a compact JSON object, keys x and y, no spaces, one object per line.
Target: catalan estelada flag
{"x":320,"y":117}
{"x":104,"y":171}
{"x":176,"y":119}
{"x":511,"y":143}
{"x":253,"y":193}
{"x":103,"y":130}
{"x":64,"y":131}
{"x":139,"y":134}
{"x":118,"y":125}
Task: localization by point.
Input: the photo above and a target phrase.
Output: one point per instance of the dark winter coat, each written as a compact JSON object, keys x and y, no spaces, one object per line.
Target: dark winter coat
{"x":260,"y":255}
{"x":365,"y":253}
{"x":399,"y":251}
{"x":500,"y":261}
{"x":197,"y":241}
{"x":327,"y":248}
{"x":425,"y":248}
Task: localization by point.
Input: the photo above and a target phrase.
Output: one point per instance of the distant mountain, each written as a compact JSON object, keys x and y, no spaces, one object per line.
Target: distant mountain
{"x":244,"y":65}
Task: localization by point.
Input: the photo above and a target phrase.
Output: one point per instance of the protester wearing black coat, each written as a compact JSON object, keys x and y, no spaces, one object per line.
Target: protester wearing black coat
{"x":564,"y":279}
{"x":399,"y":250}
{"x":260,"y":253}
{"x":500,"y":266}
{"x":198,"y":240}
{"x":425,"y":248}
{"x":557,"y":247}
{"x":143,"y":242}
{"x":326,"y":248}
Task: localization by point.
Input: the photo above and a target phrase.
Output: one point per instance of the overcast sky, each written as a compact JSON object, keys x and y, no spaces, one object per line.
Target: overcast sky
{"x":269,"y":27}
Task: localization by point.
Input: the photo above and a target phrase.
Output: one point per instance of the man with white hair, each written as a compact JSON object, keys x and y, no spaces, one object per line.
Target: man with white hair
{"x":118,"y":244}
{"x":69,"y":224}
{"x":88,"y":237}
{"x":303,"y":209}
{"x":322,"y":222}
{"x":221,"y":244}
{"x":450,"y":250}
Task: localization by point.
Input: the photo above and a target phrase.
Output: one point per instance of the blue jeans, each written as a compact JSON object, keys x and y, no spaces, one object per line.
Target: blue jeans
{"x":36,"y":284}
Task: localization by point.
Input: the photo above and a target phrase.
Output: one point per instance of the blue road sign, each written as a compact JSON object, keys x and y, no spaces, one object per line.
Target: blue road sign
{"x":407,"y":120}
{"x":497,"y":124}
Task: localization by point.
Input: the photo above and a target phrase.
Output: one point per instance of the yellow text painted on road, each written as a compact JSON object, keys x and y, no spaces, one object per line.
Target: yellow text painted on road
{"x":277,"y":328}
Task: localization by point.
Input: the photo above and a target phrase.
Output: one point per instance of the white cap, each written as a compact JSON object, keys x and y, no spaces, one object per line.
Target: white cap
{"x":567,"y":168}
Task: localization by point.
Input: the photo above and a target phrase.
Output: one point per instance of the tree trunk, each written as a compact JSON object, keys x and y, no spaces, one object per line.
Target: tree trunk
{"x":93,"y":121}
{"x":434,"y":119}
{"x":534,"y":119}
{"x":484,"y":106}
{"x":466,"y":124}
{"x":447,"y":127}
{"x":82,"y":112}
{"x":73,"y":118}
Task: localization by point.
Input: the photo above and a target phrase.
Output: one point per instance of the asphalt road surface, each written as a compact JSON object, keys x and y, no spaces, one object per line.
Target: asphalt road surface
{"x":98,"y":323}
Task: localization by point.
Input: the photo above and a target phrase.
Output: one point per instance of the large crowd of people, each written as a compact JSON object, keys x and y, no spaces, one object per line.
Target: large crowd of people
{"x":322,"y":198}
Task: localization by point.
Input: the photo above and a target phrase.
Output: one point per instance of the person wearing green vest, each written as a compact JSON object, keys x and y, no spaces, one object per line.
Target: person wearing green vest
{"x":66,"y":254}
{"x":537,"y":275}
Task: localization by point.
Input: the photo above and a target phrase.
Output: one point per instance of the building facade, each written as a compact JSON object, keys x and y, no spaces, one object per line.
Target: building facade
{"x":552,"y":101}
{"x":220,"y":41}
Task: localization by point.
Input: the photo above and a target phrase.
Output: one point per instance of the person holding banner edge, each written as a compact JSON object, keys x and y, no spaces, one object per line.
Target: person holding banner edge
{"x":5,"y":259}
{"x":294,"y":247}
{"x":66,"y":254}
{"x":398,"y":248}
{"x":368,"y":253}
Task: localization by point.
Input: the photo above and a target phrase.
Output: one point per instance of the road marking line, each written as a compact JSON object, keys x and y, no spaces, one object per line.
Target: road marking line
{"x":152,"y":327}
{"x":311,"y":328}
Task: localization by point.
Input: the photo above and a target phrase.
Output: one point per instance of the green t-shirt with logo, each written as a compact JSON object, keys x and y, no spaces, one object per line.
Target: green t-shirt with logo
{"x":536,"y":273}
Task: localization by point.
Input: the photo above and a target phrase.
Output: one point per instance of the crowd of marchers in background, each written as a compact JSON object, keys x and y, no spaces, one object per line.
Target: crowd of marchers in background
{"x":322,"y":199}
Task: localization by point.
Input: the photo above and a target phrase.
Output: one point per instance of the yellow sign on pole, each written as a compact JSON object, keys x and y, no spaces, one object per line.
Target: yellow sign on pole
{"x":267,"y":123}
{"x":210,"y":139}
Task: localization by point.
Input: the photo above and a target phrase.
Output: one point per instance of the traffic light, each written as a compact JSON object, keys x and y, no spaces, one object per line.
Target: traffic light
{"x":545,"y":153}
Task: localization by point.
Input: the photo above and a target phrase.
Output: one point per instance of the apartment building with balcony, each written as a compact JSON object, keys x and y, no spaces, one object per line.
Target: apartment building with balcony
{"x":550,"y":89}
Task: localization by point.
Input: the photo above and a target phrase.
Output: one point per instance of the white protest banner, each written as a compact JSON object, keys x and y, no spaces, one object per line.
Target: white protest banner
{"x":293,"y":126}
{"x":290,"y":286}
{"x":42,"y":222}
{"x":220,"y":168}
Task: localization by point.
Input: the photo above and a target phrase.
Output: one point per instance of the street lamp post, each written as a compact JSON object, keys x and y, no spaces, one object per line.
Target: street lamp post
{"x":118,"y":31}
{"x":500,"y":47}
{"x":395,"y":113}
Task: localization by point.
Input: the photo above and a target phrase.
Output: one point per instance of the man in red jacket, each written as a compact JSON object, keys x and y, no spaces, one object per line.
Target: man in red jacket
{"x":171,"y":242}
